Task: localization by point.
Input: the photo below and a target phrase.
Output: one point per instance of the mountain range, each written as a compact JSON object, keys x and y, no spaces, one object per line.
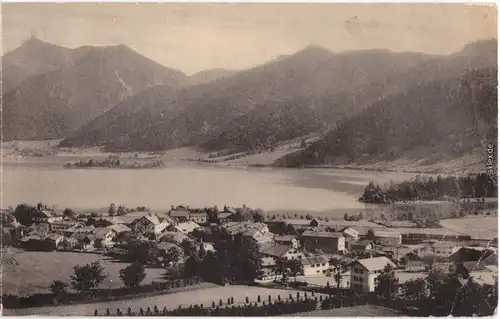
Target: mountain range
{"x":116,"y":98}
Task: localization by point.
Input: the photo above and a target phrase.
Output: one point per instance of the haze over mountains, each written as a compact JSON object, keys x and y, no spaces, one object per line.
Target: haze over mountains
{"x":116,"y":98}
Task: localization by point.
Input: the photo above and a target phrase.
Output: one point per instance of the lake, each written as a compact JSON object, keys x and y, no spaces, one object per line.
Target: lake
{"x":197,"y":185}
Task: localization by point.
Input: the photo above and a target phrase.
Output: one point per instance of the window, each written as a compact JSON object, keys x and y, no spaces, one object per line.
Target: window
{"x":317,"y":271}
{"x":317,"y":265}
{"x":312,"y":266}
{"x":323,"y":264}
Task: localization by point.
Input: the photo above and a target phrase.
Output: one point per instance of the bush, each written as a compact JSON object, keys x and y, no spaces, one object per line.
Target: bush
{"x":297,"y":284}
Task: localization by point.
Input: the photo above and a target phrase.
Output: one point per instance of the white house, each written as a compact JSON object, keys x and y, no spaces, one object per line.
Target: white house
{"x":314,"y":266}
{"x":365,"y":271}
{"x":445,"y":249}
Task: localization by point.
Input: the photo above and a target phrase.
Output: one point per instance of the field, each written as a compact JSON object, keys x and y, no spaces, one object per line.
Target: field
{"x":356,"y":311}
{"x":171,"y":301}
{"x":35,"y":271}
{"x":475,"y":226}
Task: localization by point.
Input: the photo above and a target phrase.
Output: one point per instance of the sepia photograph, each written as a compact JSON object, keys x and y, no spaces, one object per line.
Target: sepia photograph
{"x":249,"y":159}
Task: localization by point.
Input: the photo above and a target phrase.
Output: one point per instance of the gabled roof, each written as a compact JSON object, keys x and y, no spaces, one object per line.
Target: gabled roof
{"x":351,"y":232}
{"x":264,"y":238}
{"x":230,"y":210}
{"x":153,"y":219}
{"x":224,"y":215}
{"x":322,"y":234}
{"x":179,"y":213}
{"x":166,"y":246}
{"x":119,"y":228}
{"x":361,"y":244}
{"x":285,"y":238}
{"x":44,"y":214}
{"x":380,"y":233}
{"x":234,"y":228}
{"x":268,"y":261}
{"x":445,"y":244}
{"x":102,"y":232}
{"x":376,"y":263}
{"x":275,"y":250}
{"x":187,"y":227}
{"x":314,"y":260}
{"x":112,"y":220}
{"x":84,"y":229}
{"x":202,"y":214}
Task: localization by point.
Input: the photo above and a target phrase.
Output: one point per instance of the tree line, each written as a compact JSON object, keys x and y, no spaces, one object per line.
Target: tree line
{"x":420,"y":188}
{"x":235,"y":260}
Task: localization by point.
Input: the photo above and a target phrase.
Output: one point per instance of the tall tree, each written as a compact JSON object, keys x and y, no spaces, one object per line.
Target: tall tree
{"x":87,"y":277}
{"x":337,"y":268}
{"x":415,"y":289}
{"x":133,"y":274}
{"x":173,"y":255}
{"x":387,"y":283}
{"x":112,"y":210}
{"x":24,"y":214}
{"x":295,"y":267}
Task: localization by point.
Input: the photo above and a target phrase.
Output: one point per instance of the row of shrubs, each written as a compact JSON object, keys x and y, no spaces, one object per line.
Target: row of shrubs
{"x":46,"y":299}
{"x":279,"y":307}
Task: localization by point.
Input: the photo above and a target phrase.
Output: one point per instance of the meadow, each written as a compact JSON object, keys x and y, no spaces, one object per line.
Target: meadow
{"x":475,"y":226}
{"x":35,"y":271}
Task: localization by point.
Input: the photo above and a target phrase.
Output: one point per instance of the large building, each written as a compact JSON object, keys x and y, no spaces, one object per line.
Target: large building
{"x":327,"y":242}
{"x":388,"y":238}
{"x":365,"y":271}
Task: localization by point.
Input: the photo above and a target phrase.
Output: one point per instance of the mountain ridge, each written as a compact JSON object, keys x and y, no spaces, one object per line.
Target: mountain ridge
{"x":52,"y":104}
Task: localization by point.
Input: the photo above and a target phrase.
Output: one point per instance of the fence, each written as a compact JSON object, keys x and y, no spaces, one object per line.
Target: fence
{"x":293,"y":304}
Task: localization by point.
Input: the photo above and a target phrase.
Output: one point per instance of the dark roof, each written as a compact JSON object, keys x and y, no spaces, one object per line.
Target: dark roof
{"x":322,"y":234}
{"x":285,"y":238}
{"x":362,"y":244}
{"x":314,"y":260}
{"x":179,"y":213}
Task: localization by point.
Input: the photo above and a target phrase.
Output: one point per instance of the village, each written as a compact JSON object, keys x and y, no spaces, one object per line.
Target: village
{"x":306,"y":252}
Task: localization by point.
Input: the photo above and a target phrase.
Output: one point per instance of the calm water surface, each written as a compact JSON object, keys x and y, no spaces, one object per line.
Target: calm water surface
{"x":184,"y":183}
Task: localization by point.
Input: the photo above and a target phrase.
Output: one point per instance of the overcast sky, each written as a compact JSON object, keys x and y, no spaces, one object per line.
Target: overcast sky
{"x":194,"y":37}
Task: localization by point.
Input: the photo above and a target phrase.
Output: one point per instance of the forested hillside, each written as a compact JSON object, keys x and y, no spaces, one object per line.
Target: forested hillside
{"x":451,"y":116}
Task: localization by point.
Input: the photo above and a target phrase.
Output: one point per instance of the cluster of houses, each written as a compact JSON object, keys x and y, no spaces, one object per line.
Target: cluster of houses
{"x":313,"y":243}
